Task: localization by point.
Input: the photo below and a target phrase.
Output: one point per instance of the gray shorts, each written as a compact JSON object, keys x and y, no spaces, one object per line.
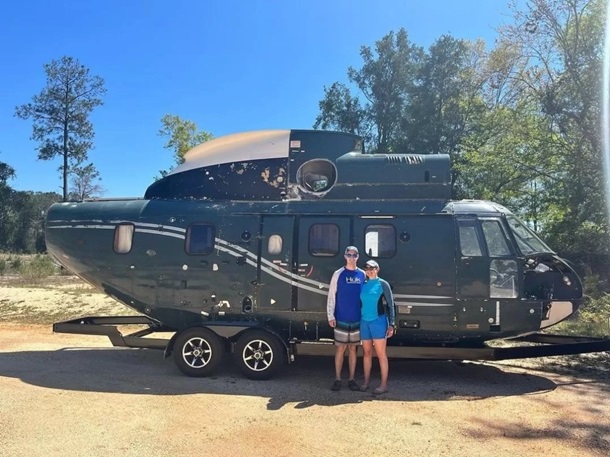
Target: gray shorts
{"x":347,"y":332}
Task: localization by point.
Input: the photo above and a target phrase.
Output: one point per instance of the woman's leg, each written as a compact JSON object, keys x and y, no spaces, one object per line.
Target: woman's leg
{"x":380,"y":350}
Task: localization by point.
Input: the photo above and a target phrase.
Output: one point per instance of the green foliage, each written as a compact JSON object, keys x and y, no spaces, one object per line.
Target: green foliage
{"x":38,"y":267}
{"x":22,"y":215}
{"x":385,"y":80}
{"x":6,"y":172}
{"x":182,"y":135}
{"x":60,"y":113}
{"x":29,"y":267}
{"x":85,"y":182}
{"x":16,"y":264}
{"x":521,"y":121}
{"x":592,"y":319}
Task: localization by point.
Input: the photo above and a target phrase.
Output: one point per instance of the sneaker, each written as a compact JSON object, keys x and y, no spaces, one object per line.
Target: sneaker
{"x":336,"y":385}
{"x":353,"y":385}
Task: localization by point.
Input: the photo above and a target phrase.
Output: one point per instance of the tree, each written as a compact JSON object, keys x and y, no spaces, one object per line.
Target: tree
{"x":60,"y":113}
{"x":6,"y":172}
{"x":385,"y":81}
{"x":85,"y":182}
{"x":561,"y":44}
{"x":182,"y":135}
{"x":7,"y":208}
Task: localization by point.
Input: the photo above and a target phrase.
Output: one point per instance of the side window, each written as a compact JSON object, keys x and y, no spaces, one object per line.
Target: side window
{"x":494,"y":236}
{"x":324,"y":240}
{"x":503,"y":279}
{"x":200,"y":239}
{"x":470,"y":244}
{"x":380,"y":240}
{"x":123,"y":238}
{"x":274,"y":245}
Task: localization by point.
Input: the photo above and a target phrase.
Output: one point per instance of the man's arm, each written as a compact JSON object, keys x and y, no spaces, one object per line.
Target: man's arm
{"x":332,"y":296}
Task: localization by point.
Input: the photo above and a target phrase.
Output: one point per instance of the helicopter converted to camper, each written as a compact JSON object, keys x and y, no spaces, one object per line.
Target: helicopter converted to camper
{"x":233,"y":252}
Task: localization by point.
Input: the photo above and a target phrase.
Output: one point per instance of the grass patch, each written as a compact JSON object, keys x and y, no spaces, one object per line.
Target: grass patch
{"x":29,"y":267}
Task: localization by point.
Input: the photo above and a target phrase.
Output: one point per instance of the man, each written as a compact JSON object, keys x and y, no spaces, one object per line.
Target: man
{"x":343,"y":311}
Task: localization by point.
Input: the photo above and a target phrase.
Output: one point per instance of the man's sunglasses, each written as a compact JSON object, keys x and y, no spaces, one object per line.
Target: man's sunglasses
{"x":353,"y":256}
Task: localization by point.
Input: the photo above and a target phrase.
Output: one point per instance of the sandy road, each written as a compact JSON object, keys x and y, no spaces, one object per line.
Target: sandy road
{"x":72,"y":395}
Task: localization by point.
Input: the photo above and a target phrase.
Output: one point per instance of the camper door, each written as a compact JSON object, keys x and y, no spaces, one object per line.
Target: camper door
{"x":321,"y":244}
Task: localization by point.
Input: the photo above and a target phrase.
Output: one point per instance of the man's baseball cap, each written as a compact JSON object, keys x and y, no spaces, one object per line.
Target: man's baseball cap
{"x":351,"y":248}
{"x":372,"y":264}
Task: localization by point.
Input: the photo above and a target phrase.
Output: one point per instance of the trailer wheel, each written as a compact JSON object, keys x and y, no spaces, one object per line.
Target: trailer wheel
{"x":259,"y":354}
{"x":197,"y":352}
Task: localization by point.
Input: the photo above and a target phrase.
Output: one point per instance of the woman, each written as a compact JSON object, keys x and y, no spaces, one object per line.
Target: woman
{"x":376,"y":325}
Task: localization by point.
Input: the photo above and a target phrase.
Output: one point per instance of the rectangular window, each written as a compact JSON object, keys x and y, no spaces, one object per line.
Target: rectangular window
{"x":380,"y":240}
{"x":496,"y":240}
{"x":123,"y":238}
{"x":324,"y":240}
{"x":470,"y":244}
{"x":200,"y":239}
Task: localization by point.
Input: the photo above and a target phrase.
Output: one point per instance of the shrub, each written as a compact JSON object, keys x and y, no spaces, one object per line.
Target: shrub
{"x":591,"y":319}
{"x":3,"y":267}
{"x":16,"y":264}
{"x":40,"y":266}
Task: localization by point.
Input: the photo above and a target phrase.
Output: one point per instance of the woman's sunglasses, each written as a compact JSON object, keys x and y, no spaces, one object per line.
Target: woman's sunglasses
{"x":353,"y":256}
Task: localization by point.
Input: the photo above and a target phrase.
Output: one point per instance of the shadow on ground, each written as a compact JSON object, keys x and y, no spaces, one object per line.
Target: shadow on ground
{"x":302,"y":384}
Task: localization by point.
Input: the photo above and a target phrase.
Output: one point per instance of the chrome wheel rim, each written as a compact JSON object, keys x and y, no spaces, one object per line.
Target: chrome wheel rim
{"x":197,"y":352}
{"x":258,"y":355}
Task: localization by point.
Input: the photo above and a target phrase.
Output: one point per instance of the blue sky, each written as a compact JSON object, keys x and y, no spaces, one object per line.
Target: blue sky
{"x":229,"y":66}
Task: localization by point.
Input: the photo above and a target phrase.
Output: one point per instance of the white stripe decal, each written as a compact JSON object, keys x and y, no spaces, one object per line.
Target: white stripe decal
{"x":437,"y":305}
{"x":294,"y":277}
{"x":159,"y":227}
{"x":157,"y":232}
{"x":251,"y":259}
{"x":431,"y":297}
{"x":106,"y":227}
{"x":273,"y":273}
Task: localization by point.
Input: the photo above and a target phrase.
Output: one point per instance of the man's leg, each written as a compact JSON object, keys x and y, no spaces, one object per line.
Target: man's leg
{"x":352,"y":360}
{"x":339,"y":355}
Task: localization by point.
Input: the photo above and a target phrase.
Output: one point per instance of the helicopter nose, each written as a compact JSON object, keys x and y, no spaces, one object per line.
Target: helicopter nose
{"x":556,"y":312}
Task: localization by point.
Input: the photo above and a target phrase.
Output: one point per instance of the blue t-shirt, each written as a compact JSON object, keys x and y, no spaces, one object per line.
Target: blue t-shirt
{"x":371,"y":291}
{"x":344,"y":295}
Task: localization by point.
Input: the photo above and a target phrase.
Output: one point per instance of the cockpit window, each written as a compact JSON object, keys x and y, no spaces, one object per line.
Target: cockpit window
{"x":528,"y":241}
{"x":470,"y":245}
{"x":495,"y":238}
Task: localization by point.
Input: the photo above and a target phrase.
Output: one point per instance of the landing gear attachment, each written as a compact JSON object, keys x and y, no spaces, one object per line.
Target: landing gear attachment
{"x":198,"y":351}
{"x":259,"y":354}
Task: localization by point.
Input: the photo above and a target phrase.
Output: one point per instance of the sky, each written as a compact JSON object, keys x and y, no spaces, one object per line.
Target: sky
{"x":229,"y":66}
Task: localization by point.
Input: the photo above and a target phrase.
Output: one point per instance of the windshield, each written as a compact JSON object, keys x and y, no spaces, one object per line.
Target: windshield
{"x":528,"y":241}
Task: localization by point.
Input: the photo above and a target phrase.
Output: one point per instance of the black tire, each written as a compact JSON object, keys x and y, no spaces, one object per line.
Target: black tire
{"x":259,"y":354}
{"x":198,"y":351}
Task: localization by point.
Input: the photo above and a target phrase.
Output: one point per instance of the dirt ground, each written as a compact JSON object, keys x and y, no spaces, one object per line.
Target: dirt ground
{"x":76,"y":395}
